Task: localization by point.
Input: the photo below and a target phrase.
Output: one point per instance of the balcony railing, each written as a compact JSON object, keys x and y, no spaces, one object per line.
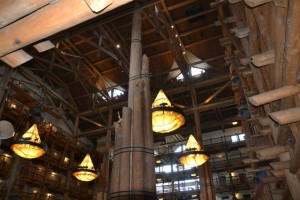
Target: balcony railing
{"x":241,"y":181}
{"x":223,"y":141}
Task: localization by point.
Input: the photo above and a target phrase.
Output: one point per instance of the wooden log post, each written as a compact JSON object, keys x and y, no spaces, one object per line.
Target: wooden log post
{"x":280,"y":165}
{"x":254,"y":3}
{"x":149,"y":159}
{"x":124,"y":165}
{"x":295,"y":162}
{"x":105,"y":165}
{"x":273,"y":95}
{"x":204,"y":170}
{"x":69,"y":177}
{"x":134,"y":151}
{"x":292,"y":179}
{"x":135,"y":96}
{"x":269,"y":152}
{"x":286,"y":116}
{"x":13,"y":175}
{"x":115,"y":174}
{"x":264,"y":59}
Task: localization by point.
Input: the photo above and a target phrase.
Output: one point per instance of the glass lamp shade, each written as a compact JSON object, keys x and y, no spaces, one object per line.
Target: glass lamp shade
{"x":165,"y":117}
{"x":193,"y":155}
{"x":194,"y":158}
{"x":29,"y":145}
{"x":86,"y":171}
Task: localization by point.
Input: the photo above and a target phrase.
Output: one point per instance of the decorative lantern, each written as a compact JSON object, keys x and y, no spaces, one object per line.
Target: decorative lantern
{"x":165,"y":117}
{"x":193,"y":155}
{"x":86,"y":171}
{"x":29,"y":145}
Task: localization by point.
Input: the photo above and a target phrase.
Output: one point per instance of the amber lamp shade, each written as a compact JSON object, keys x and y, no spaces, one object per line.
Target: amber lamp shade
{"x":29,"y":146}
{"x":165,"y":117}
{"x":86,"y":171}
{"x":193,"y":156}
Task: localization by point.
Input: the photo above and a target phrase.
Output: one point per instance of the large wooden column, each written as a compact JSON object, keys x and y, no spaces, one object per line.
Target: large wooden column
{"x":105,"y":165}
{"x":207,"y":192}
{"x":136,"y":176}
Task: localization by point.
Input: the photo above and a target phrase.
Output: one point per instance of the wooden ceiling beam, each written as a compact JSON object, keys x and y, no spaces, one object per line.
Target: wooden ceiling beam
{"x":46,"y":22}
{"x":14,"y":10}
{"x":177,"y":90}
{"x":170,"y":38}
{"x":181,"y":4}
{"x":188,"y":111}
{"x":49,"y":90}
{"x":195,"y":15}
{"x":122,"y":40}
{"x":52,"y":63}
{"x":90,"y":65}
{"x":163,"y":41}
{"x":124,"y":59}
{"x":91,"y":121}
{"x":153,"y":30}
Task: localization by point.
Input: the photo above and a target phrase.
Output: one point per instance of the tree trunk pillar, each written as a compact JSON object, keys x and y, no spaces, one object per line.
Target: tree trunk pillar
{"x":137,"y":174}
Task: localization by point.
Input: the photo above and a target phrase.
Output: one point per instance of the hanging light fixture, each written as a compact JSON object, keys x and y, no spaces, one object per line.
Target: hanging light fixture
{"x":193,"y":155}
{"x":29,"y":145}
{"x":86,"y":171}
{"x":165,"y":117}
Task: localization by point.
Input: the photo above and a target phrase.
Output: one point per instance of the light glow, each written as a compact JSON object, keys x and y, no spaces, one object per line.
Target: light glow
{"x":193,"y":155}
{"x":165,"y":117}
{"x":29,"y":145}
{"x":86,"y":171}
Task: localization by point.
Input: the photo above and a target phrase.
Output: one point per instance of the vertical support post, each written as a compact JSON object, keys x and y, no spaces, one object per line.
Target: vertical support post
{"x":12,"y":177}
{"x":124,"y":179}
{"x":149,"y":158}
{"x":206,"y":183}
{"x":291,"y":179}
{"x":69,"y":176}
{"x":137,"y":174}
{"x":14,"y":170}
{"x":115,"y":174}
{"x":3,"y":86}
{"x":105,"y":165}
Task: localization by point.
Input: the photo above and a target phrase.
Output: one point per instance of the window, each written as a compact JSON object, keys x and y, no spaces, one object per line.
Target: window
{"x":242,"y":137}
{"x":234,"y":138}
{"x":196,"y":72}
{"x":115,"y":93}
{"x":237,"y":138}
{"x":179,"y":77}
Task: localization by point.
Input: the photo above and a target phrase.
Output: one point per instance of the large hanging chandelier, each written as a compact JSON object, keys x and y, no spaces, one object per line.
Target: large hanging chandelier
{"x":86,"y":171}
{"x":165,"y":117}
{"x":193,"y":155}
{"x":29,"y":145}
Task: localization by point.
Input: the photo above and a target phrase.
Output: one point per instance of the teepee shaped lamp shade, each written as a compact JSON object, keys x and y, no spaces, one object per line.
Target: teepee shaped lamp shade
{"x":165,"y":117}
{"x":86,"y":171}
{"x":29,"y":145}
{"x":193,"y":156}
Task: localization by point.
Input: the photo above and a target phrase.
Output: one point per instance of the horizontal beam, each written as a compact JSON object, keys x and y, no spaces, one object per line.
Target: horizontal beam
{"x":188,"y":112}
{"x":47,"y":21}
{"x":219,"y":79}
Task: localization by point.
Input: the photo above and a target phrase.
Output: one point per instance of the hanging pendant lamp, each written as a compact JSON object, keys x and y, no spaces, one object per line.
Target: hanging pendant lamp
{"x":165,"y":117}
{"x":29,"y":145}
{"x":193,"y":156}
{"x":86,"y":171}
